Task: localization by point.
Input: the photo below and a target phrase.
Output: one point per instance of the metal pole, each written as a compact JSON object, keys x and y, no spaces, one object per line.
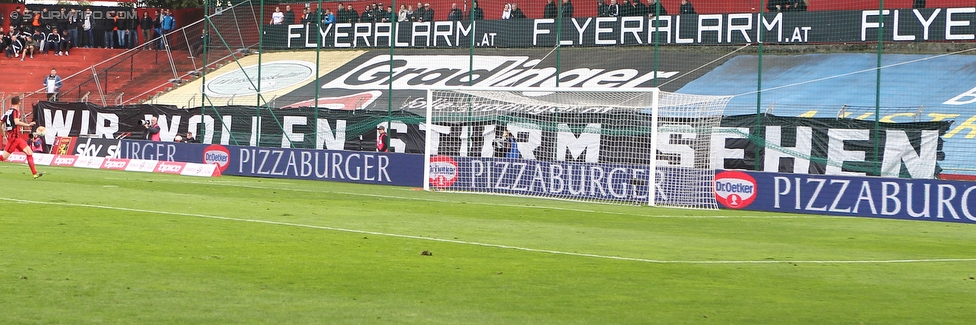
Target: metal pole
{"x":258,"y":86}
{"x":877,"y":91}
{"x":758,"y":127}
{"x":318,"y":53}
{"x":389,"y":96}
{"x":205,"y":43}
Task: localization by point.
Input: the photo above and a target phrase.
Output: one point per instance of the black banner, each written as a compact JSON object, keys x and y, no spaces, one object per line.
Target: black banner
{"x":782,"y":144}
{"x":904,"y":25}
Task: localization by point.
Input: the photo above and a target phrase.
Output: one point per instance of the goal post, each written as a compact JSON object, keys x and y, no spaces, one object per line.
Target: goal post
{"x":633,"y":146}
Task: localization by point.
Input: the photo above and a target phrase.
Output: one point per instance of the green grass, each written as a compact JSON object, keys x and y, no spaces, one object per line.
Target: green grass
{"x":92,"y":246}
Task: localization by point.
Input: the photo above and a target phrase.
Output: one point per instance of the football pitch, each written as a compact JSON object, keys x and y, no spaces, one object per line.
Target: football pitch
{"x":91,"y":246}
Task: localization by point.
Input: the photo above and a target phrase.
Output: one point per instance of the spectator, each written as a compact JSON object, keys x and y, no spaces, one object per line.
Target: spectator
{"x":61,"y":21}
{"x":36,"y":142}
{"x":53,"y":41}
{"x":328,"y":18}
{"x":189,"y":135}
{"x":14,"y":44}
{"x":43,"y":21}
{"x":340,"y":13}
{"x":367,"y":16}
{"x":403,"y":14}
{"x":476,"y":13}
{"x":410,"y":13}
{"x":389,"y":16}
{"x":132,"y":29}
{"x":428,"y":12}
{"x":30,"y":45}
{"x":178,"y":138}
{"x":307,"y":17}
{"x":601,"y":9}
{"x":516,"y":12}
{"x":352,"y":15}
{"x":40,"y":40}
{"x":26,"y":20}
{"x":613,"y":10}
{"x":87,"y":28}
{"x":169,"y":21}
{"x":567,"y":9}
{"x":152,"y":129}
{"x":120,"y":28}
{"x":146,"y":23}
{"x":455,"y":14}
{"x":418,"y":15}
{"x":73,"y":26}
{"x":4,"y":38}
{"x":108,"y":30}
{"x":289,"y":15}
{"x":687,"y":8}
{"x":918,"y":4}
{"x":158,"y":29}
{"x":798,"y":5}
{"x":777,"y":5}
{"x":52,"y":83}
{"x":14,"y":18}
{"x":66,"y":43}
{"x":382,"y":140}
{"x":656,"y":9}
{"x":507,"y":12}
{"x":639,"y":9}
{"x":277,"y":17}
{"x":550,"y":10}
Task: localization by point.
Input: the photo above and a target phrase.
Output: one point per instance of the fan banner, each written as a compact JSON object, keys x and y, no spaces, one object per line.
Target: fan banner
{"x":909,"y":25}
{"x":793,"y":144}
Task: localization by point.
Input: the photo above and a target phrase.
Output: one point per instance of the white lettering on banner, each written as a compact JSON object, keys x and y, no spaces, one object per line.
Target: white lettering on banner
{"x":59,"y":122}
{"x":596,"y":181}
{"x":776,"y":23}
{"x":951,"y":23}
{"x":836,"y":151}
{"x":290,"y":135}
{"x":317,"y":164}
{"x":90,"y":150}
{"x":422,"y":71}
{"x":588,"y":140}
{"x":150,"y":150}
{"x":870,"y":22}
{"x":965,"y":98}
{"x":774,"y":151}
{"x":106,"y":125}
{"x":719,"y":148}
{"x":848,"y":197}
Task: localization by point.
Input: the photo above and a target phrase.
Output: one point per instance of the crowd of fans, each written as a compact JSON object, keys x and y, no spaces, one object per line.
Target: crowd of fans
{"x":422,"y":12}
{"x":31,"y":33}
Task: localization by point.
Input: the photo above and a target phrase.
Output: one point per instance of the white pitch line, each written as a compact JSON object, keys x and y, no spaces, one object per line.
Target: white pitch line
{"x":461,"y":242}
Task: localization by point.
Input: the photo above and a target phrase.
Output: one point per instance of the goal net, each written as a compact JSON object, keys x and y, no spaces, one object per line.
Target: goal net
{"x":582,"y":145}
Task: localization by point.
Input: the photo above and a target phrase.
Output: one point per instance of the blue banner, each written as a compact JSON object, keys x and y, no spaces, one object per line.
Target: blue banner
{"x":331,"y":165}
{"x":909,"y":199}
{"x":563,"y":179}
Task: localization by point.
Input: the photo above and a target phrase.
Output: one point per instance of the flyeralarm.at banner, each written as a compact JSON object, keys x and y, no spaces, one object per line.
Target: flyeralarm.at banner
{"x":903,"y":25}
{"x":911,"y":199}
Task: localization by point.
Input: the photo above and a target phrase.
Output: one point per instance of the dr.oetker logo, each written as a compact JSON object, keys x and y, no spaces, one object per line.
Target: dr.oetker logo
{"x":217,"y":154}
{"x":734,"y":190}
{"x":443,"y":171}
